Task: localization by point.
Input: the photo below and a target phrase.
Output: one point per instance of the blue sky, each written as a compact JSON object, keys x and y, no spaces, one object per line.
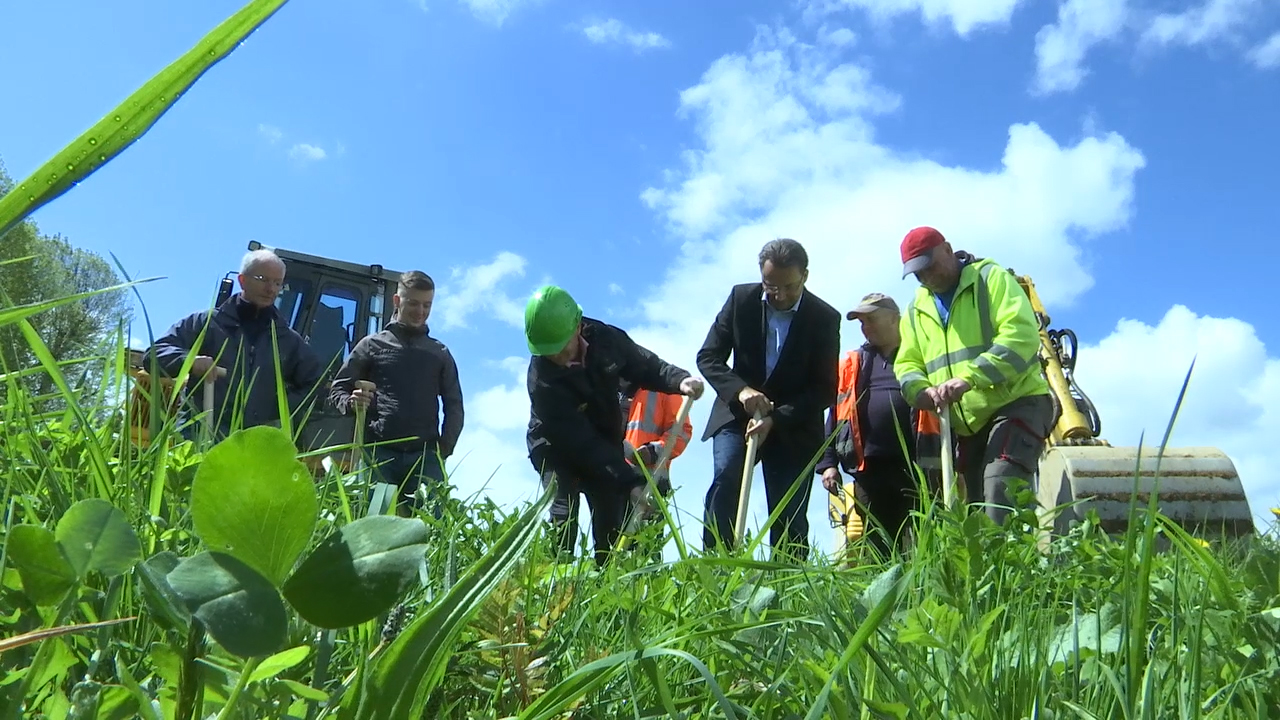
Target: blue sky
{"x":640,"y":153}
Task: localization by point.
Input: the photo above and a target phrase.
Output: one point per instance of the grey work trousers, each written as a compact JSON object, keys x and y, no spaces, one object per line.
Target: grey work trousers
{"x":1007,"y":447}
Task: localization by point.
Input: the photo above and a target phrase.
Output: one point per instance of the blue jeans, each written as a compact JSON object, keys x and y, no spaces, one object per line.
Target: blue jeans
{"x":781,"y":470}
{"x":407,"y":469}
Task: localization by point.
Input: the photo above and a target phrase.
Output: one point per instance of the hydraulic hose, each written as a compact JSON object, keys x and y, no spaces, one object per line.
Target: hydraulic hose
{"x":1067,"y":359}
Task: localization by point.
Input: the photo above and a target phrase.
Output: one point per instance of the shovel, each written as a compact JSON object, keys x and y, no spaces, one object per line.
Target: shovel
{"x":209,"y":380}
{"x":748,"y":471}
{"x":384,"y":494}
{"x":948,"y":466}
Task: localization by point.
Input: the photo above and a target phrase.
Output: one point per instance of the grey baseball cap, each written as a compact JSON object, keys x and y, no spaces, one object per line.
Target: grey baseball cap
{"x":870,"y":303}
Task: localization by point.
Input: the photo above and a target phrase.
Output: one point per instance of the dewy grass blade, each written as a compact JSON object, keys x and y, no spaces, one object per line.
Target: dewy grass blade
{"x":122,"y":126}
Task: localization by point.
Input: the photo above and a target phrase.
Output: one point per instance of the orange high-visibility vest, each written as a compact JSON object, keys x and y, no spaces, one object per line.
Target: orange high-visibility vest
{"x":849,"y":445}
{"x":652,"y":415}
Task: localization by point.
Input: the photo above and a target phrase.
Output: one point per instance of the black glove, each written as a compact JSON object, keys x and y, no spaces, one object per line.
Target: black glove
{"x":648,"y":453}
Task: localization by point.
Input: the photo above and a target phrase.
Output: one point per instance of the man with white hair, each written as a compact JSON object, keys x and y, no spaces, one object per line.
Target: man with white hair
{"x":238,"y":336}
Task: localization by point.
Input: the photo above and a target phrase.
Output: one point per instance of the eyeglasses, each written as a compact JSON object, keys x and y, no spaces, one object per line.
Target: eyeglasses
{"x":267,"y":281}
{"x":789,"y":288}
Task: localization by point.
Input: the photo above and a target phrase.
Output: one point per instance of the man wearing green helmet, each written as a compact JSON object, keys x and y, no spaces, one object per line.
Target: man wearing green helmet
{"x":575,"y":437}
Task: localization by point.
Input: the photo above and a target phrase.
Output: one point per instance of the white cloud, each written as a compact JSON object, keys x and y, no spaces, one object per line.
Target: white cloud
{"x":477,"y":288}
{"x":491,"y":457}
{"x":307,"y":152}
{"x":270,"y":132}
{"x":1061,"y":48}
{"x":1266,"y":55}
{"x":613,"y":31}
{"x":964,"y":16}
{"x":615,"y":289}
{"x":1201,"y":24}
{"x":495,"y":11}
{"x":1232,"y":402}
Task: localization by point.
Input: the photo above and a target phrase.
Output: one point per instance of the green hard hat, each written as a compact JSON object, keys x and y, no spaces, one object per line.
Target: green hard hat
{"x":550,"y":318}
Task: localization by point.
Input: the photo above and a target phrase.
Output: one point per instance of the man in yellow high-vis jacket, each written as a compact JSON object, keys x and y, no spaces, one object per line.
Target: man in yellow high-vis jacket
{"x":971,"y":340}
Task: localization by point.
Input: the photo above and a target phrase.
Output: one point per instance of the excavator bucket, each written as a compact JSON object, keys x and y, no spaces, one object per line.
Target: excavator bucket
{"x":1197,"y":488}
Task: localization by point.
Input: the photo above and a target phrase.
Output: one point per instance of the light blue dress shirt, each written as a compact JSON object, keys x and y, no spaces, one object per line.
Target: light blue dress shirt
{"x":778,"y":325}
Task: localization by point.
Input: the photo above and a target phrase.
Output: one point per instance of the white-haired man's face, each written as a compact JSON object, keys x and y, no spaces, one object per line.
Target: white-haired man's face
{"x":262,"y":282}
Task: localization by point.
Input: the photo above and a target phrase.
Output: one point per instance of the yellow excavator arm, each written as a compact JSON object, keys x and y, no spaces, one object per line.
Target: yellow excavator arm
{"x":1198,"y":487}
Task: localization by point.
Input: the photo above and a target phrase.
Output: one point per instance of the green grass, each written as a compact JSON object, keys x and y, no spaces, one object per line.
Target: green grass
{"x":978,"y":623}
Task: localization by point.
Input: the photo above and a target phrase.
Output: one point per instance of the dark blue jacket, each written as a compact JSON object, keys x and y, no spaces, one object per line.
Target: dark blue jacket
{"x":239,"y":340}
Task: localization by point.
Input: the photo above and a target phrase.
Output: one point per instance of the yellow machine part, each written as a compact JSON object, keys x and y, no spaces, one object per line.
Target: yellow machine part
{"x":844,"y":517}
{"x":1199,"y":487}
{"x":139,"y":405}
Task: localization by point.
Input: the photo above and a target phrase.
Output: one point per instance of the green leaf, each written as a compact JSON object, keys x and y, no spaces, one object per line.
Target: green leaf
{"x":46,"y":574}
{"x":159,"y":596}
{"x":253,"y":499}
{"x":279,"y":662}
{"x":119,"y":128}
{"x":95,"y":536}
{"x":358,"y":572}
{"x":306,"y":692}
{"x":399,"y":681}
{"x":240,"y":608}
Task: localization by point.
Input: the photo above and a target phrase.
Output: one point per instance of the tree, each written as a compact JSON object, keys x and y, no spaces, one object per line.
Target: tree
{"x":57,"y":268}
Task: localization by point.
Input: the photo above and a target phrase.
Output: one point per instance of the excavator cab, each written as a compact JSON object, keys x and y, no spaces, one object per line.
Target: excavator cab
{"x":333,"y":304}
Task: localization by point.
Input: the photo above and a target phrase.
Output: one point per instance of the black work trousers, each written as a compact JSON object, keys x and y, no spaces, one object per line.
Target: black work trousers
{"x":886,"y":493}
{"x":609,"y":507}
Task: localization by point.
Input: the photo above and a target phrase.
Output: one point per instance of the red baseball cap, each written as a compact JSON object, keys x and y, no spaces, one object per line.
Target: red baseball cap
{"x":916,"y":249}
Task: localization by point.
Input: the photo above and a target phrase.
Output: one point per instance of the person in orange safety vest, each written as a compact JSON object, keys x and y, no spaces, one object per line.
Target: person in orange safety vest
{"x":873,"y":418}
{"x":649,"y":419}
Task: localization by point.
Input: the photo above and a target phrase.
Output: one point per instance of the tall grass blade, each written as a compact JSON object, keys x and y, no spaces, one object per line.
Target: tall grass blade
{"x":122,"y":126}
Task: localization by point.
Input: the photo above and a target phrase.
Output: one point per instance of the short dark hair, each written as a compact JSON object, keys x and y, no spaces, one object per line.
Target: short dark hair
{"x":415,"y":280}
{"x":784,"y":252}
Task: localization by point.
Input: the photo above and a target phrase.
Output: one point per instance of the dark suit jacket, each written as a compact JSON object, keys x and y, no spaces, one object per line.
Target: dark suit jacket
{"x":803,"y":384}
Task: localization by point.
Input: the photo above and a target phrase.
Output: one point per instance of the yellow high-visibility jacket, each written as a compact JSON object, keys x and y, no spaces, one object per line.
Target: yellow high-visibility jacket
{"x":991,"y":340}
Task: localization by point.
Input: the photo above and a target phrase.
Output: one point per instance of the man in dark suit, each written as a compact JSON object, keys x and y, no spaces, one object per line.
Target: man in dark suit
{"x":786,"y":350}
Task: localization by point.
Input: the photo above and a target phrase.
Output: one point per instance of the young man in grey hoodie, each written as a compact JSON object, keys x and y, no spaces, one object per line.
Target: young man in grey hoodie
{"x":415,"y":374}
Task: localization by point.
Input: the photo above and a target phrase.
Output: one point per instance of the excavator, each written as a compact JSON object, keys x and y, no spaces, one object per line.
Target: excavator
{"x":331,"y":303}
{"x":1080,"y":472}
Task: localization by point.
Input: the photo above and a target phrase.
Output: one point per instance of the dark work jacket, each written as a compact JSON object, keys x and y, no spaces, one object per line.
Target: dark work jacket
{"x":415,"y":374}
{"x":802,"y":386}
{"x":844,"y":452}
{"x":239,"y":340}
{"x":575,"y":419}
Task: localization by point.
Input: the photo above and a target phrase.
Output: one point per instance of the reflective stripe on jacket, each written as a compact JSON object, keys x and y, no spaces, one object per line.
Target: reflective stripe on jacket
{"x":652,"y":415}
{"x":848,"y":442}
{"x":991,"y":340}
